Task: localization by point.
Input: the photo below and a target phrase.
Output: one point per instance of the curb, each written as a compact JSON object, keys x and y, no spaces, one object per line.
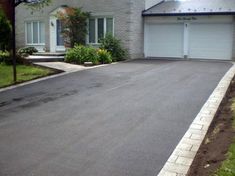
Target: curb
{"x":182,"y":157}
{"x":52,"y":76}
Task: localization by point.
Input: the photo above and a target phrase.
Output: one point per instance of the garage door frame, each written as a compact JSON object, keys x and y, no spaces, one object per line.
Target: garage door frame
{"x":192,"y":20}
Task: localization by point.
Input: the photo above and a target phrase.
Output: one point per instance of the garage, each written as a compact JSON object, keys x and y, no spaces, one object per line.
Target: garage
{"x":190,"y":35}
{"x":210,"y":41}
{"x":165,"y":40}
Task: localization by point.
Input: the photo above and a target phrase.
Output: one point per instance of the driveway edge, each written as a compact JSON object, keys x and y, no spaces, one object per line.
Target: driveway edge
{"x":64,"y":72}
{"x":182,"y":157}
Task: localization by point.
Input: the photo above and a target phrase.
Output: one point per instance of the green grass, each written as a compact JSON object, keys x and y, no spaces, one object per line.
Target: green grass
{"x":24,"y":73}
{"x":228,"y":166}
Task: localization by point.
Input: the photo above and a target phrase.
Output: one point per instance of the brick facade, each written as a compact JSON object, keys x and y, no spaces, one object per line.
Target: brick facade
{"x":128,"y":23}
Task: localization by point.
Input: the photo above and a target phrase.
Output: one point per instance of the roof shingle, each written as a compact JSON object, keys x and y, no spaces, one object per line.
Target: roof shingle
{"x":191,"y":7}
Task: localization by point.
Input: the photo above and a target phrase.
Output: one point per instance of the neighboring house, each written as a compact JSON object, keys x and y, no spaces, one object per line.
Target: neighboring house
{"x":203,"y":29}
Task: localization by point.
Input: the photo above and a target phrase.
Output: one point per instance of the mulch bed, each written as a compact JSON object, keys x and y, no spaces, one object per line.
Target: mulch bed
{"x":217,"y":141}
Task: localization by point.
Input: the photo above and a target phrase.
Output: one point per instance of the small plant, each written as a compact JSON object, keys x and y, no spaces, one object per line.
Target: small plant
{"x":80,"y":54}
{"x":5,"y":57}
{"x":104,"y":56}
{"x":27,"y":51}
{"x":113,"y":45}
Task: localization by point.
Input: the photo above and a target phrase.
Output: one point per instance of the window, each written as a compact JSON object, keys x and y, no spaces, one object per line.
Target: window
{"x":35,"y":33}
{"x":59,"y":35}
{"x":98,"y":28}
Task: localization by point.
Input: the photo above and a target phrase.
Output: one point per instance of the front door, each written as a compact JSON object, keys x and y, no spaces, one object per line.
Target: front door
{"x":56,"y":38}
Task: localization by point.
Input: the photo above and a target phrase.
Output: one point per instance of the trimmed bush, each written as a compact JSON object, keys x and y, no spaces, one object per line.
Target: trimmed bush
{"x":104,"y":56}
{"x":113,"y":45}
{"x":80,"y":54}
{"x":5,"y":57}
{"x":27,"y":51}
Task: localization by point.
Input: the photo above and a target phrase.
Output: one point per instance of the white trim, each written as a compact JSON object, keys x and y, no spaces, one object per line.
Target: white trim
{"x":26,"y":33}
{"x":105,"y":26}
{"x":53,"y":32}
{"x":186,"y":39}
{"x":96,"y":31}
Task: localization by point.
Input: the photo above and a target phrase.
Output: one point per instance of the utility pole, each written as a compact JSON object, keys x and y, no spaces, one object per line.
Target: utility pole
{"x":13,"y":39}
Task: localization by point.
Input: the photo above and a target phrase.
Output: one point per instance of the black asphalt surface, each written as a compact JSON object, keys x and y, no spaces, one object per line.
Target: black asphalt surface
{"x":118,"y":120}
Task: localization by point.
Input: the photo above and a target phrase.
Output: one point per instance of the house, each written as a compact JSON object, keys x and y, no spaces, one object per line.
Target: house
{"x":191,"y":29}
{"x":123,"y":17}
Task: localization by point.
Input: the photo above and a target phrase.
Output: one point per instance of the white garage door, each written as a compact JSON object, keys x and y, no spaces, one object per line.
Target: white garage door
{"x":210,"y":41}
{"x":164,"y":40}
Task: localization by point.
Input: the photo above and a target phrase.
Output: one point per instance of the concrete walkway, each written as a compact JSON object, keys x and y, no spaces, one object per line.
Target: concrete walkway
{"x":66,"y":67}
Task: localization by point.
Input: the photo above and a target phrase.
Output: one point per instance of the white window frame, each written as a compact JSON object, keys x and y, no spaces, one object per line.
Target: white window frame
{"x":31,"y":25}
{"x":96,"y":28}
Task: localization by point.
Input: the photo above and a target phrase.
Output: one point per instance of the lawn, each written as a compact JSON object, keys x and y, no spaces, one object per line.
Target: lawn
{"x":24,"y":73}
{"x":228,"y":166}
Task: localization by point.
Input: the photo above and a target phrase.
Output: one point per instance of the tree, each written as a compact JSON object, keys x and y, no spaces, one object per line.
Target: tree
{"x":74,"y":25}
{"x":5,"y":31}
{"x":34,"y":5}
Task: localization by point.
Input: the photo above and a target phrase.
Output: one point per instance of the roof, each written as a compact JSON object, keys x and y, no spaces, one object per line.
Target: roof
{"x":192,"y":7}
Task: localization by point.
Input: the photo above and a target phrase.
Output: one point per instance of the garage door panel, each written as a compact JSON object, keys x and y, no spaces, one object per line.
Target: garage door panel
{"x":164,"y":40}
{"x":210,"y":41}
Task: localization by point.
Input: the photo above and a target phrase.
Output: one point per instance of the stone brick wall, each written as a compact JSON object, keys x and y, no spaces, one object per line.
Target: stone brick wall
{"x":136,"y":29}
{"x":234,"y":38}
{"x":128,"y":23}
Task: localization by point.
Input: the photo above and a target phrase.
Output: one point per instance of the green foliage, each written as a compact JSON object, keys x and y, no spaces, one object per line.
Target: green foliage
{"x":4,"y":56}
{"x":24,"y":73}
{"x":113,"y":45}
{"x":5,"y":32}
{"x":104,"y":56}
{"x":228,"y":166}
{"x":38,"y":5}
{"x":80,"y":54}
{"x":27,"y":51}
{"x":74,"y":26}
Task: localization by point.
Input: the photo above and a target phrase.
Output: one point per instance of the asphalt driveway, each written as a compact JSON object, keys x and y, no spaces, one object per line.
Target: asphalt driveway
{"x":118,"y":120}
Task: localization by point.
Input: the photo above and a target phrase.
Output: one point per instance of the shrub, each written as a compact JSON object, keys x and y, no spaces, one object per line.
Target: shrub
{"x":74,"y":26}
{"x":4,"y":56}
{"x":113,"y":45}
{"x":80,"y":54}
{"x":104,"y":56}
{"x":27,"y":51}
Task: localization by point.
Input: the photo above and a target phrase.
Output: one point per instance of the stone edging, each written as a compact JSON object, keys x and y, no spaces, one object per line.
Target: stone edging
{"x":182,"y":157}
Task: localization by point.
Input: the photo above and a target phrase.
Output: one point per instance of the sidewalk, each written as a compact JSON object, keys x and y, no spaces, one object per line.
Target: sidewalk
{"x":66,"y":67}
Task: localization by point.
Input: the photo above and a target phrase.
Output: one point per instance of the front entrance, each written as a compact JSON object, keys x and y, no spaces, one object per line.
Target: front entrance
{"x":56,"y":38}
